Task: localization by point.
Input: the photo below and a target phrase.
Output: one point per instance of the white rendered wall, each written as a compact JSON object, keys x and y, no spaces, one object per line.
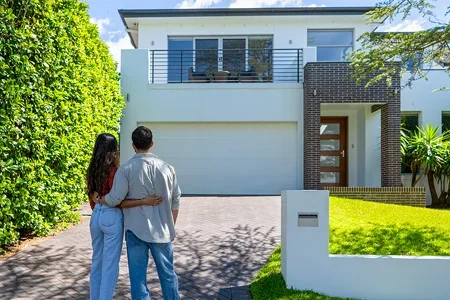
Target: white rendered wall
{"x":421,"y":98}
{"x":307,"y":265}
{"x":372,"y":148}
{"x":196,"y":103}
{"x":288,"y":31}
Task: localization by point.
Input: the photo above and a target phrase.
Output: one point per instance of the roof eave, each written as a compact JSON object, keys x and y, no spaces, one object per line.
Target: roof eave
{"x":237,"y":12}
{"x":127,"y":30}
{"x":230,"y":12}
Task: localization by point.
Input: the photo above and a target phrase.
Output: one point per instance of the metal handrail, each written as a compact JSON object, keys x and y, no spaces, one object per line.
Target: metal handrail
{"x":226,"y":65}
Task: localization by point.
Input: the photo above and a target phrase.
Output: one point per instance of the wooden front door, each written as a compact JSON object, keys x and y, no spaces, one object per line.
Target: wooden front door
{"x":333,"y":151}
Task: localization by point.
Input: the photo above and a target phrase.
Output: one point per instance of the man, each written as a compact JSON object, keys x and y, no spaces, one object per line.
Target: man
{"x":148,"y":227}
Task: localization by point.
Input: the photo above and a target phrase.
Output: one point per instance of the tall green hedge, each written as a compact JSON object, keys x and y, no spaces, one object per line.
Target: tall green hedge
{"x":58,"y":89}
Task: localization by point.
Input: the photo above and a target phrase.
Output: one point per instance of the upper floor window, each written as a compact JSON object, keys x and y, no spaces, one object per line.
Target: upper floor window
{"x":413,"y":62}
{"x":332,"y":45}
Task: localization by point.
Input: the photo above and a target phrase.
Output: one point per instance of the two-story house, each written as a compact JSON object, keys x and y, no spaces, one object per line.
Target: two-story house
{"x":256,"y":101}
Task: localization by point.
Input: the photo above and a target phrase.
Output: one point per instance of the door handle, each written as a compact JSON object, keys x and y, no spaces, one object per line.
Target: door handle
{"x":343,"y":153}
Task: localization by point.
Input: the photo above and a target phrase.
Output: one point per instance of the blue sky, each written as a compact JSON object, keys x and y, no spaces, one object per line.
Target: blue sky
{"x":104,"y":14}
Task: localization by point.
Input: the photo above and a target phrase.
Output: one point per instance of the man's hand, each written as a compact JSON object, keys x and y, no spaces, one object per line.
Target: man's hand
{"x":102,"y":200}
{"x":175,"y":216}
{"x":153,"y":200}
{"x":97,"y":199}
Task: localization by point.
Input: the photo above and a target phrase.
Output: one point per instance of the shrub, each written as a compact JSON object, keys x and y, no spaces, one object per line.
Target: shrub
{"x":427,"y":153}
{"x":58,"y":89}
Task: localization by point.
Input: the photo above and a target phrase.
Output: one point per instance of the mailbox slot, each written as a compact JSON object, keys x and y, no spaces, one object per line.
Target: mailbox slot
{"x":308,"y":219}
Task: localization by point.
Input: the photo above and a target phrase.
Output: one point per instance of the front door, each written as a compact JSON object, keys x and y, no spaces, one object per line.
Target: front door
{"x":333,"y":151}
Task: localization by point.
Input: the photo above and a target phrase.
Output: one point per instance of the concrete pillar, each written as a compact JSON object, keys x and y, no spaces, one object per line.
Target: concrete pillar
{"x":304,"y":237}
{"x":134,"y":78}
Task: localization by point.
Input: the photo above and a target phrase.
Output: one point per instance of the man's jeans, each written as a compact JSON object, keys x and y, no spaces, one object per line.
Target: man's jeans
{"x":137,"y":251}
{"x":106,"y":228}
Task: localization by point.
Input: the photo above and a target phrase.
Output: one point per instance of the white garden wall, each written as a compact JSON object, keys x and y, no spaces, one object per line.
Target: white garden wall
{"x":307,"y":265}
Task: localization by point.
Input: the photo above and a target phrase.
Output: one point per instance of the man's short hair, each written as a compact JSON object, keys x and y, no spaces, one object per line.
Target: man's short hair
{"x":142,"y":138}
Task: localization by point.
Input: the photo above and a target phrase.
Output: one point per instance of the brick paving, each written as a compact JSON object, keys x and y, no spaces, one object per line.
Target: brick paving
{"x":222,"y":243}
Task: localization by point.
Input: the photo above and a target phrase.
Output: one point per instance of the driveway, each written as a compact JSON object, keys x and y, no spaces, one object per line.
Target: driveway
{"x":222,"y":243}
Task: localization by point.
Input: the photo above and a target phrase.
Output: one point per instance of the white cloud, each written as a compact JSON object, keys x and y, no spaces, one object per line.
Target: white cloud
{"x":115,"y":47}
{"x":197,"y":3}
{"x":116,"y":40}
{"x":243,"y":3}
{"x":316,"y":5}
{"x":405,"y":26}
{"x":101,"y":24}
{"x":264,"y":3}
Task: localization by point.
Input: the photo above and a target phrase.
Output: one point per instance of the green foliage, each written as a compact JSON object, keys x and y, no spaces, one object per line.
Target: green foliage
{"x":58,"y":90}
{"x":428,"y":153}
{"x":366,"y":228}
{"x":423,"y":48}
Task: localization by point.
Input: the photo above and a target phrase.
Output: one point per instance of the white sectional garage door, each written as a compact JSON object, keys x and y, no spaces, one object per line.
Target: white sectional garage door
{"x":229,"y":158}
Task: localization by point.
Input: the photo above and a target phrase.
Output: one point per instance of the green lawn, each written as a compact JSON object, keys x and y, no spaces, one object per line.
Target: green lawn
{"x":358,"y":227}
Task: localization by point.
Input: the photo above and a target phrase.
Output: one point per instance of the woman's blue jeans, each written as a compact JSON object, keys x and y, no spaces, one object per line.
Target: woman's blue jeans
{"x":106,"y":228}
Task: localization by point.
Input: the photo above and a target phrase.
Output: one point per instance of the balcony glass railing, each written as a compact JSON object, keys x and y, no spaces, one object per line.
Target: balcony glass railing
{"x":226,"y":66}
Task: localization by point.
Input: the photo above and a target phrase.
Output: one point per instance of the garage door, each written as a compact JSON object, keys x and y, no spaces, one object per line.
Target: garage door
{"x":229,"y":158}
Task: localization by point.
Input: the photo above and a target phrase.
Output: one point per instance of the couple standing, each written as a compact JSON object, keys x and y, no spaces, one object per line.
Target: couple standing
{"x":141,"y":198}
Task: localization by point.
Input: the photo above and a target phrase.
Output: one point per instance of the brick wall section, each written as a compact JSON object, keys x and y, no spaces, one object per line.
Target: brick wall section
{"x":390,"y":145}
{"x":332,"y":83}
{"x":311,"y":144}
{"x":395,"y":195}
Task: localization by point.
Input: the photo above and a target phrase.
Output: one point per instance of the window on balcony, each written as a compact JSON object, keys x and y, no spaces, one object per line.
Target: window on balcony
{"x":332,"y":45}
{"x":179,"y":59}
{"x":206,"y":56}
{"x":260,"y":55}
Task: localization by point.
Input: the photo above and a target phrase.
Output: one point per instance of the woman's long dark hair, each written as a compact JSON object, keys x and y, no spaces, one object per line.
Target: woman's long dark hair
{"x":104,"y":159}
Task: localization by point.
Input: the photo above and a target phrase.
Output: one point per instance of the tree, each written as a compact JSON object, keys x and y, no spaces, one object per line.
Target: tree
{"x":416,"y":51}
{"x":58,"y":90}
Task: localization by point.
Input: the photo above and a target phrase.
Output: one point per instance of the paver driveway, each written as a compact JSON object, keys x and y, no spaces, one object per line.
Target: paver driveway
{"x":222,"y":243}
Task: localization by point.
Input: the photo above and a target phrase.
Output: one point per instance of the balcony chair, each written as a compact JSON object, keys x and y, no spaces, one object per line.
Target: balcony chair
{"x":248,"y":76}
{"x":197,"y":77}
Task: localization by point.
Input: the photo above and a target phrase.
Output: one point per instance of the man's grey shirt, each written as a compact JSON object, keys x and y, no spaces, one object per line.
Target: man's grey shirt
{"x":144,"y":175}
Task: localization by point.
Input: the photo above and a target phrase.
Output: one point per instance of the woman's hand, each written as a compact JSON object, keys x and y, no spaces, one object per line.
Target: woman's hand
{"x":153,"y":200}
{"x":94,"y":197}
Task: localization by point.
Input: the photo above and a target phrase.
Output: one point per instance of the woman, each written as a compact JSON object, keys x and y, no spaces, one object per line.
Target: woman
{"x":106,"y":223}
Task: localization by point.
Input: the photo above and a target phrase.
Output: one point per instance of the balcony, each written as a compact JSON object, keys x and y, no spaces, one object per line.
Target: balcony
{"x":226,"y":66}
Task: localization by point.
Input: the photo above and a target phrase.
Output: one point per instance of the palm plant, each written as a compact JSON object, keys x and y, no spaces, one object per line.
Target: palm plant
{"x":442,"y":174}
{"x":428,"y":154}
{"x":407,"y":157}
